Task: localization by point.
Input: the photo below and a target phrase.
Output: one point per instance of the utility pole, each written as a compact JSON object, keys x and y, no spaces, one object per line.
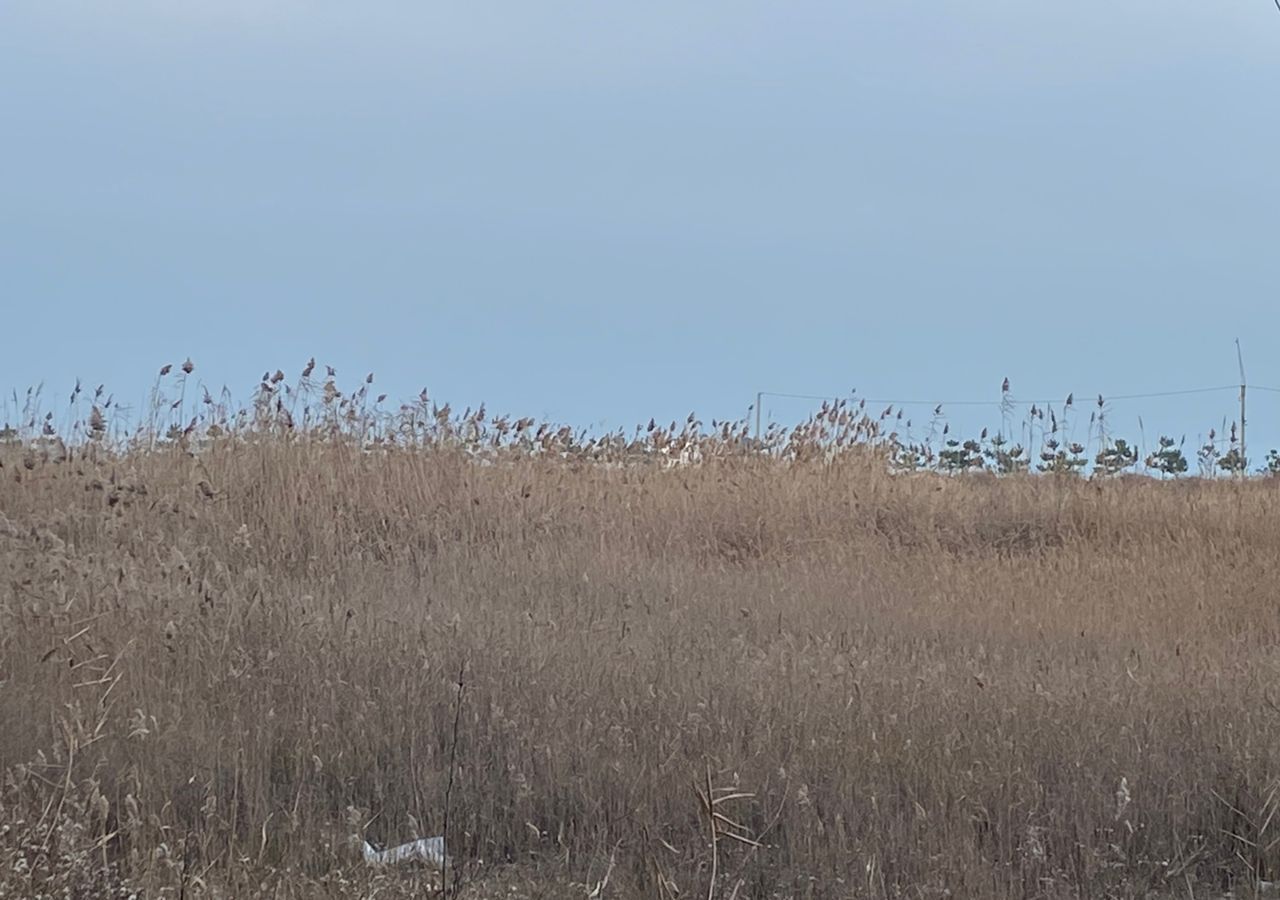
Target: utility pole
{"x":1243,"y":385}
{"x":759,"y":400}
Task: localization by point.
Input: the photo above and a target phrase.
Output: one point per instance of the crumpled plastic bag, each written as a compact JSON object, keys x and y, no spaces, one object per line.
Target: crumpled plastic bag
{"x":428,"y":850}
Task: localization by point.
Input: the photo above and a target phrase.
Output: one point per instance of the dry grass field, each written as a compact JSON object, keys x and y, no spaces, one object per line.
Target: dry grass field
{"x":221,"y":660}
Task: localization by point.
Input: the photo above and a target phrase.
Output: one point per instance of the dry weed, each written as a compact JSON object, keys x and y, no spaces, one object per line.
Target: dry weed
{"x":223,"y":653}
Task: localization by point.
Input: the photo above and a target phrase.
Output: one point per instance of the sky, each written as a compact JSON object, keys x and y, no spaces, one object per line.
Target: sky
{"x":598,"y":212}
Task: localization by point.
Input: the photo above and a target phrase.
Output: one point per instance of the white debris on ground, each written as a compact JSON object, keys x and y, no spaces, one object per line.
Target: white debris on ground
{"x":427,"y":850}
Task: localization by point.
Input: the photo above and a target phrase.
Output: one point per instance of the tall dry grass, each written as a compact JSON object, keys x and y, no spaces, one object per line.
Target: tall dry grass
{"x":221,"y":659}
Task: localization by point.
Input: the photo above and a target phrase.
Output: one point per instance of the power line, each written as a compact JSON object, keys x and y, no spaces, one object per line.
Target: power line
{"x":1207,"y":390}
{"x":906,"y":402}
{"x":895,"y":402}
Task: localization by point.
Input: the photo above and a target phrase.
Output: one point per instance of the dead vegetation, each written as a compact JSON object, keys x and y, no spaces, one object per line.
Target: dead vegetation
{"x":225,"y":652}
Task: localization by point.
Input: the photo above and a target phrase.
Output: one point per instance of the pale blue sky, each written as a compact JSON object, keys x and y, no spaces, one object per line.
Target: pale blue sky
{"x":601,"y":211}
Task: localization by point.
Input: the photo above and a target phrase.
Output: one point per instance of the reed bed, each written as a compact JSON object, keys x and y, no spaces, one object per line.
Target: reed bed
{"x":229,"y":650}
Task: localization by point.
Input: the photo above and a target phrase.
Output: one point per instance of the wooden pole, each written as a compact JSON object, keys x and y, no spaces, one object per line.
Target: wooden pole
{"x":1243,"y":456}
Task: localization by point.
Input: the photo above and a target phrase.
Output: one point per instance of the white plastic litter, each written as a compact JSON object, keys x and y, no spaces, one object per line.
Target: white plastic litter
{"x":427,"y":850}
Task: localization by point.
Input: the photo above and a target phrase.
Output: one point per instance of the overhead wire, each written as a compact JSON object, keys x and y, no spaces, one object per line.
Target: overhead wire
{"x":1015,"y":400}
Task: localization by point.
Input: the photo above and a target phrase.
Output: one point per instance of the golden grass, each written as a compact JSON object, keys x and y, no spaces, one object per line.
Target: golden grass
{"x":218,"y":664}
